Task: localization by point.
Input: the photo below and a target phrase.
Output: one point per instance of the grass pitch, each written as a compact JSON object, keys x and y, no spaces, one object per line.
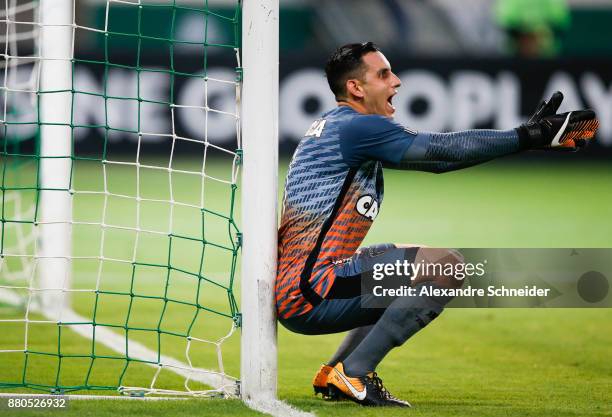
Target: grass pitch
{"x":482,"y":362}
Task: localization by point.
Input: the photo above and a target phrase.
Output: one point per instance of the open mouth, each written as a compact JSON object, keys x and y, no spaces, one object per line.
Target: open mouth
{"x":390,"y":101}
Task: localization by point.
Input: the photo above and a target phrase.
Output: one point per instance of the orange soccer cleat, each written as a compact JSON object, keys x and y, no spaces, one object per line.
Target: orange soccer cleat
{"x":366,"y":390}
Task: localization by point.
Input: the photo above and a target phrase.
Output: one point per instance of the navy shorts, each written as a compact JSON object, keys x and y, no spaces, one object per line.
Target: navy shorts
{"x":347,"y":306}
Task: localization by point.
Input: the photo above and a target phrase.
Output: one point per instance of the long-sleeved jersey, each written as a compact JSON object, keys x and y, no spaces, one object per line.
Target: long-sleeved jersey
{"x":334,"y":191}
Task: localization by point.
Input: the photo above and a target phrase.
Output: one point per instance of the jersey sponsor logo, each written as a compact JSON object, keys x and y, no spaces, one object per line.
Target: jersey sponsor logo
{"x":367,"y":206}
{"x":316,"y":129}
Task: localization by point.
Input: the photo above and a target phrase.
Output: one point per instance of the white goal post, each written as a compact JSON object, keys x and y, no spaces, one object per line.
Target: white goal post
{"x":54,"y":239}
{"x":259,"y":198}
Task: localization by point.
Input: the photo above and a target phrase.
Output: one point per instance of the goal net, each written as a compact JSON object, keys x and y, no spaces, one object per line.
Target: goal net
{"x":120,"y":149}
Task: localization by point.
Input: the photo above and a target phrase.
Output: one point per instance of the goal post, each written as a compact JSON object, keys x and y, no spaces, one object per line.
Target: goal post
{"x":55,"y":200}
{"x":259,"y":198}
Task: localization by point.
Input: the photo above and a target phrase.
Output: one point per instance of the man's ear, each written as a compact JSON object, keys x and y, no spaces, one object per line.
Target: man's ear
{"x":354,"y":88}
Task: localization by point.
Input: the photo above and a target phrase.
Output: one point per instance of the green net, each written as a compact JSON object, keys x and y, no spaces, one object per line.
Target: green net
{"x":146,"y":305}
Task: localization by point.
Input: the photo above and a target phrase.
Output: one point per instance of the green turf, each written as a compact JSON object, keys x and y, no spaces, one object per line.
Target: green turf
{"x":500,"y":362}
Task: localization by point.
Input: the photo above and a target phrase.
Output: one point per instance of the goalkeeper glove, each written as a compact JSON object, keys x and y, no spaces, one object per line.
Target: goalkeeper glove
{"x":548,"y":130}
{"x":547,"y":108}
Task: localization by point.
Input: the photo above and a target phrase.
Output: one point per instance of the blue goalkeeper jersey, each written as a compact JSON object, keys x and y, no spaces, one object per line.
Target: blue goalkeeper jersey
{"x":333,"y":193}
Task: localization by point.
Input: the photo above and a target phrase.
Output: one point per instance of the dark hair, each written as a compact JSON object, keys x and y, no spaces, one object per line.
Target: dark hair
{"x":346,"y":63}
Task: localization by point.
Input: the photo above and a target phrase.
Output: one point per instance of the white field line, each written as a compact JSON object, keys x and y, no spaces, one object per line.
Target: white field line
{"x":277,"y":408}
{"x":136,"y":350}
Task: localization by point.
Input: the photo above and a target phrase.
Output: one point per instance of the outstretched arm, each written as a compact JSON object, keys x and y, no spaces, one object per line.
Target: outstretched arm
{"x":373,"y":137}
{"x":443,"y":152}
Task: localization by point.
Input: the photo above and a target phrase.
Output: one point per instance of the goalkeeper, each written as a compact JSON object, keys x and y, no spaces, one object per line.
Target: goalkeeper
{"x":333,"y":192}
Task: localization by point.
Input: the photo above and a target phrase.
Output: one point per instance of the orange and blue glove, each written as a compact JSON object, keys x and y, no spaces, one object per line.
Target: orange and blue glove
{"x":546,"y":129}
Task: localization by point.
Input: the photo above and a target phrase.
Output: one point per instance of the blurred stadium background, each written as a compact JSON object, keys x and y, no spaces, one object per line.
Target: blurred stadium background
{"x":464,"y":64}
{"x":474,"y":63}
